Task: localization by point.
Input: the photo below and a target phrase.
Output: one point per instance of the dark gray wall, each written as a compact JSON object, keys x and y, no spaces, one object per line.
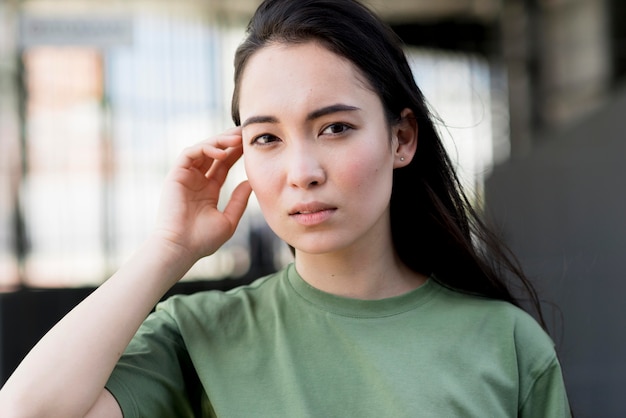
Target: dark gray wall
{"x":563,"y":211}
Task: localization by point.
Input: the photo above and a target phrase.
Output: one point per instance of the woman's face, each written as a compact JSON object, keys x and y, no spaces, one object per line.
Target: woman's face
{"x":318,"y":151}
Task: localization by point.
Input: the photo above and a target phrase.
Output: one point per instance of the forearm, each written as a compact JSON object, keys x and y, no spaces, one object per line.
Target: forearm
{"x":66,"y":371}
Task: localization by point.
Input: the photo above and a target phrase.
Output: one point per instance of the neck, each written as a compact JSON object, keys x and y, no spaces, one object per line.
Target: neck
{"x":375,"y":276}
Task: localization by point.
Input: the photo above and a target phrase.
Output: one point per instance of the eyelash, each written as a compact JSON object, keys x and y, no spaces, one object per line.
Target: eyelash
{"x":345,"y":128}
{"x":258,"y":140}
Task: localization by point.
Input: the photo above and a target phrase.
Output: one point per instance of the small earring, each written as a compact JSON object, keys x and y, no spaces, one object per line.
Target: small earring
{"x":401,"y":158}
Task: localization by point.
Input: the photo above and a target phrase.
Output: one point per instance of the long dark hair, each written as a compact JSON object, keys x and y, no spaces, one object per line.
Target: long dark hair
{"x":435,"y":229}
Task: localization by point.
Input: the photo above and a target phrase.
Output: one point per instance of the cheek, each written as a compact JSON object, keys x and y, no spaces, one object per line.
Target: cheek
{"x":261,"y":176}
{"x":364,"y":171}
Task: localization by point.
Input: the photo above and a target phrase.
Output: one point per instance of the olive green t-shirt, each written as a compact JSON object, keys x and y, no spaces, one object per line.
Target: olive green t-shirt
{"x":281,"y":348}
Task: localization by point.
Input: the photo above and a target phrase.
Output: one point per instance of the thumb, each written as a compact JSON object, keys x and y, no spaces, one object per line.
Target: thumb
{"x":237,"y":203}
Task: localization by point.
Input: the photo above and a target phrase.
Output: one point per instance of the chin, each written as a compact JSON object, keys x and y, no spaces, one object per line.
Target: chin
{"x":316,"y":246}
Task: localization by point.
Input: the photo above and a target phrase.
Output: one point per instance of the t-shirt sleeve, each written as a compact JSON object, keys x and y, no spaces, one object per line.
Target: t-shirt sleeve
{"x":154,"y":377}
{"x":542,"y":388}
{"x":547,"y":396}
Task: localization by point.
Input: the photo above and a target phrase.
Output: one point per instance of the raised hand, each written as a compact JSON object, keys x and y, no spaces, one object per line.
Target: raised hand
{"x":69,"y":367}
{"x":188,"y":214}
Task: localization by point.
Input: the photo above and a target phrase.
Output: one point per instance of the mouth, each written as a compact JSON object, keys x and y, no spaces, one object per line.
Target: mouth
{"x":312,"y":214}
{"x":308,"y":209}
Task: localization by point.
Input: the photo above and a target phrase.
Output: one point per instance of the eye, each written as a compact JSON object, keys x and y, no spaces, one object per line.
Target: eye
{"x":336,"y":129}
{"x":264,"y":139}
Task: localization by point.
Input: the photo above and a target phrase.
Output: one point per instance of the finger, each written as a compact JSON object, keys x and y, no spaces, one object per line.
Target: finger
{"x":219,"y":169}
{"x":238,"y":202}
{"x":202,"y":155}
{"x":235,"y":130}
{"x":229,"y":139}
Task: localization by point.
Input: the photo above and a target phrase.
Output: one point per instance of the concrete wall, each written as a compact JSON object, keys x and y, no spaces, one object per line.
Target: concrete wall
{"x":563,"y":210}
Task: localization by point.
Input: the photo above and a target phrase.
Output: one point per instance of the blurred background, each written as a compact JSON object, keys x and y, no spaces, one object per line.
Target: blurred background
{"x":98,"y":98}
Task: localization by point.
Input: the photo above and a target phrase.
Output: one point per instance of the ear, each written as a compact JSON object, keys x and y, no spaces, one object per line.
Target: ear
{"x":404,"y":138}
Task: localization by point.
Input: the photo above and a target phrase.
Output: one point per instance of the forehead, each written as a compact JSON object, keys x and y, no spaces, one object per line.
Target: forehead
{"x":299,"y":72}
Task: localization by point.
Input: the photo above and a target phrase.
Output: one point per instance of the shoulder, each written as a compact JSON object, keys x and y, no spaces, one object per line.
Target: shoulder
{"x":507,"y":326}
{"x":506,"y":343}
{"x":210,"y":306}
{"x":498,"y":322}
{"x":493,"y":311}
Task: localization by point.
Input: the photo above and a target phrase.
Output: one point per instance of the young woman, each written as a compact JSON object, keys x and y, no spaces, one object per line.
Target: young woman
{"x":396,"y":304}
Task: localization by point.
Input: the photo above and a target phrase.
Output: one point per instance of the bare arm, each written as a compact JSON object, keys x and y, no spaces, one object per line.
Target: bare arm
{"x":65,"y":373}
{"x":105,"y":407}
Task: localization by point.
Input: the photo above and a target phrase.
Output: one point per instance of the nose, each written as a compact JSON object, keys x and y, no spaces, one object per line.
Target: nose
{"x":305,"y":169}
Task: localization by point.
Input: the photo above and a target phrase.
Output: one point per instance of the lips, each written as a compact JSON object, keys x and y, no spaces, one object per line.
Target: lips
{"x":312,"y":214}
{"x":309,"y":208}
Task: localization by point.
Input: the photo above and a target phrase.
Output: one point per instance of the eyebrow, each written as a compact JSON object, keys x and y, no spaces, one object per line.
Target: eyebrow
{"x":327,"y":110}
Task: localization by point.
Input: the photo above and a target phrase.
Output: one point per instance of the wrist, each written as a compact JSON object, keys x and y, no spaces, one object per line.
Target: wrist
{"x":170,"y":259}
{"x":170,"y":247}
